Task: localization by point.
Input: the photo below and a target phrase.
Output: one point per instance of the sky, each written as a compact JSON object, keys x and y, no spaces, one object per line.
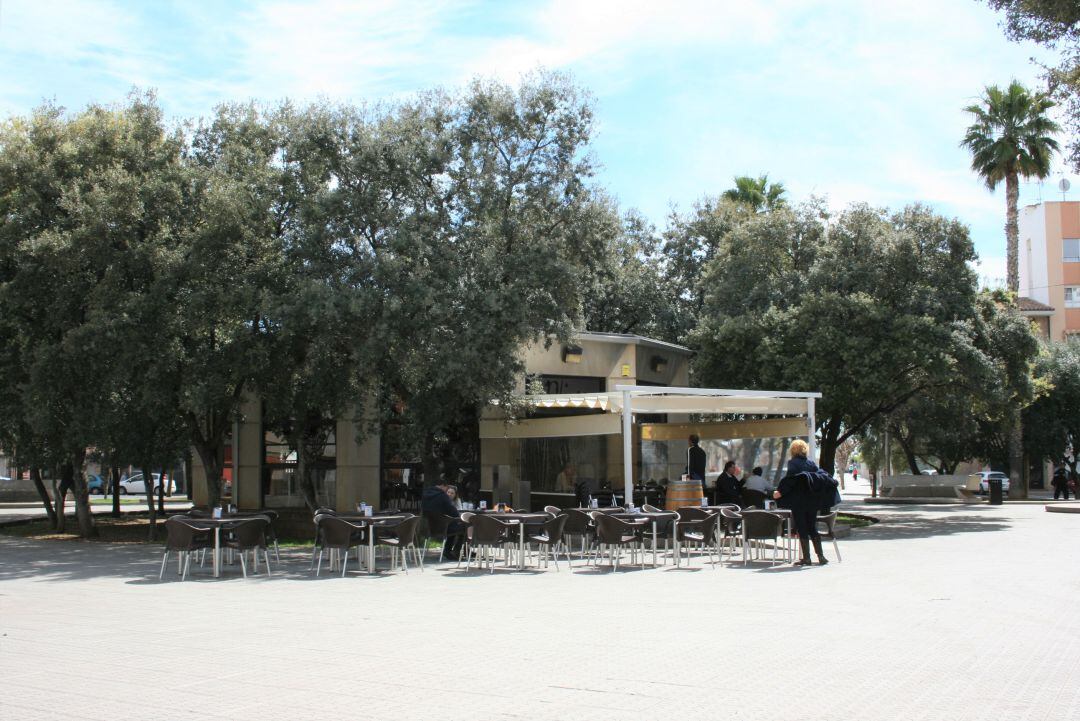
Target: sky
{"x":846,"y":99}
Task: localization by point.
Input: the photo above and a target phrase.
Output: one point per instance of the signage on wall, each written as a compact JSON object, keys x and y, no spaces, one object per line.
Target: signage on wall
{"x":626,"y":370}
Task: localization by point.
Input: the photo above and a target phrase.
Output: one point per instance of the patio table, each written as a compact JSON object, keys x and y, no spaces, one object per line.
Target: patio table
{"x":643,"y":517}
{"x":520,"y":520}
{"x":370,"y":522}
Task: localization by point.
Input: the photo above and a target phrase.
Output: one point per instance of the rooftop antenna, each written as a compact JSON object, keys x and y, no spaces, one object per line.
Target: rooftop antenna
{"x":1063,"y":186}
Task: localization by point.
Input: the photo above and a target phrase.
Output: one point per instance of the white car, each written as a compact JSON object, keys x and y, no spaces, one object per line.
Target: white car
{"x":134,"y":484}
{"x":986,"y":476}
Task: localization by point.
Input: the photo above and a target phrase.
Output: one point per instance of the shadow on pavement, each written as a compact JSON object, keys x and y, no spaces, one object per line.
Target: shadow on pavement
{"x":905,"y":526}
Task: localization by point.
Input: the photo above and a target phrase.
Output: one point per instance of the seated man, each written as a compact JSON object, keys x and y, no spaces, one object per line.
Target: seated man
{"x":437,"y":500}
{"x":728,"y":484}
{"x":757,"y":482}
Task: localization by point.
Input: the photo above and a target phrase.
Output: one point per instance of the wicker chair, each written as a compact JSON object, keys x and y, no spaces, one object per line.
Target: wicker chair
{"x":760,"y":526}
{"x":829,"y":519}
{"x":400,"y":536}
{"x":249,"y":534}
{"x":486,"y":533}
{"x":613,"y":533}
{"x":185,"y":537}
{"x":550,"y":538}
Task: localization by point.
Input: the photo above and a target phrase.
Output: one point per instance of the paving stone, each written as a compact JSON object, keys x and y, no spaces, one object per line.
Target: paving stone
{"x":939,"y":612}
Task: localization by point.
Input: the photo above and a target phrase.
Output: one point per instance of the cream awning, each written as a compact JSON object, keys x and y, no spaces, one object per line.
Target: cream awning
{"x":648,"y":399}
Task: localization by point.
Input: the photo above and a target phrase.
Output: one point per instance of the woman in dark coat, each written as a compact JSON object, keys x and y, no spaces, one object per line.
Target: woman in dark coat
{"x":805,"y":490}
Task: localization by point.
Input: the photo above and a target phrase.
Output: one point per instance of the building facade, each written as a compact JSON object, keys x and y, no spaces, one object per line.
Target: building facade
{"x":1049,"y":264}
{"x":355,"y":467}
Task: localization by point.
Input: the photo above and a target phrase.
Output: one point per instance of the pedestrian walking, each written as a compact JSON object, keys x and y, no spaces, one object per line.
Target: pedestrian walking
{"x":1060,"y":482}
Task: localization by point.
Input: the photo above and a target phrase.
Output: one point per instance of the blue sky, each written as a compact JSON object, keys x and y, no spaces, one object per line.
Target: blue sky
{"x":848,"y":99}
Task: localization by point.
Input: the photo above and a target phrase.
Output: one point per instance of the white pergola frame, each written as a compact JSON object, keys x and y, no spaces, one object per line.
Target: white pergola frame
{"x":723,"y":397}
{"x":663,"y":399}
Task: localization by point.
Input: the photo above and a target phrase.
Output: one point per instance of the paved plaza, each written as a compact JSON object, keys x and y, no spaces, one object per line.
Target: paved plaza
{"x":939,"y":612}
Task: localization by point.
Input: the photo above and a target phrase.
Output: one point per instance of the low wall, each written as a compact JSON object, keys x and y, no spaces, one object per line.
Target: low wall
{"x":912,"y":486}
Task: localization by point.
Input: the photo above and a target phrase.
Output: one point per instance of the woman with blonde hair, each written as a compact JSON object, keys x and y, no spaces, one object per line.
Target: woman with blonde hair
{"x":801,"y":490}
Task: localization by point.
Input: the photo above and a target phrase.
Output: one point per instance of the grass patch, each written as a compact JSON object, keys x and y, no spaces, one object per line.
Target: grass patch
{"x":854,"y":521}
{"x":129,"y":528}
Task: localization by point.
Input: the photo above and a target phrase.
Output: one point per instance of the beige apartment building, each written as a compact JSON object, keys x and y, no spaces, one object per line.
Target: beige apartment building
{"x":1050,"y":267}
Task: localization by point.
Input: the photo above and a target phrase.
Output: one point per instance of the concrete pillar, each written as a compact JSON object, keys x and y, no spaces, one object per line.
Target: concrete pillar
{"x":248,"y":455}
{"x":358,"y":463}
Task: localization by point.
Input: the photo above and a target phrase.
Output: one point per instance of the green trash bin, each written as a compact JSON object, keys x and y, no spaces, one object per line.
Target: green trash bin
{"x":996,"y":497}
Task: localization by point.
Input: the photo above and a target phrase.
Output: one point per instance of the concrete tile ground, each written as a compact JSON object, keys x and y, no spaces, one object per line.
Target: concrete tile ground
{"x":940,"y":612}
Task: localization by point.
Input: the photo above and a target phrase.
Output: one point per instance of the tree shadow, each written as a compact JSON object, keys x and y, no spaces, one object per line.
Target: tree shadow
{"x":917,"y":525}
{"x":139,"y":564}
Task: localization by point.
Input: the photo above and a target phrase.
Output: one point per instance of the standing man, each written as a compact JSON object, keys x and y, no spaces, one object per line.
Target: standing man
{"x":695,"y":461}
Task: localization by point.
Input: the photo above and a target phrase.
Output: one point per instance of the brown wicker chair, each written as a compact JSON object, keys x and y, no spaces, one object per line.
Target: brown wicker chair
{"x":337,"y":534}
{"x":550,"y":538}
{"x":761,"y":526}
{"x":613,"y":533}
{"x":700,"y":531}
{"x":829,"y":519}
{"x":249,"y":534}
{"x":185,"y":537}
{"x":485,"y":534}
{"x":400,"y":536}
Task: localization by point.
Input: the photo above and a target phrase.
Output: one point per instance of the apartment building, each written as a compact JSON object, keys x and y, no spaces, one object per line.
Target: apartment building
{"x":1050,"y":266}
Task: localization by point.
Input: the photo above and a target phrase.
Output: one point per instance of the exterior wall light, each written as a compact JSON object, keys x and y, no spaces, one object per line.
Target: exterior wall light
{"x":658,"y":364}
{"x":571,"y":354}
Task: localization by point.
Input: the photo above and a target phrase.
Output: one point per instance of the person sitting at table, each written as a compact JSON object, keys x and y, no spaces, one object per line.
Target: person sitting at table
{"x":728,"y":484}
{"x":436,"y":499}
{"x":757,"y":482}
{"x":567,"y":478}
{"x":451,"y":491}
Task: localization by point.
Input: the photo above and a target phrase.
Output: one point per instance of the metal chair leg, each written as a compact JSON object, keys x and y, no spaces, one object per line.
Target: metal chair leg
{"x":164,"y":560}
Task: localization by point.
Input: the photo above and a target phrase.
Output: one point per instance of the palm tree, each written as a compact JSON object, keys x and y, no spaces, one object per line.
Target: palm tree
{"x":1011,"y":138}
{"x":758,"y":193}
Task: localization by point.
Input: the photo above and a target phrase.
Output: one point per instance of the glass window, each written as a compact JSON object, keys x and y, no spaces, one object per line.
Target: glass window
{"x":1072,"y":296}
{"x":1071,"y":250}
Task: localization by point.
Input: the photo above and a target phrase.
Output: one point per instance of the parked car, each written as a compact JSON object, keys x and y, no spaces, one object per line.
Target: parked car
{"x":95,"y":483}
{"x":985,"y":478}
{"x":928,"y":472}
{"x":135,"y":485}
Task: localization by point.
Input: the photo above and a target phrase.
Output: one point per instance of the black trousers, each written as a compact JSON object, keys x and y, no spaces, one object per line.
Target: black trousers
{"x":1058,"y":490}
{"x":455,"y":536}
{"x":806,"y":523}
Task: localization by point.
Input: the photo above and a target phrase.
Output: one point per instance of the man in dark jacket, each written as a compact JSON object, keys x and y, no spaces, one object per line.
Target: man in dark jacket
{"x":695,"y":461}
{"x":728,"y":485}
{"x":436,"y":501}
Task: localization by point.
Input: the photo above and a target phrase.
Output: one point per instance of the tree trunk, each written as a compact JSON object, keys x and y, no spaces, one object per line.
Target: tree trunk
{"x":115,"y":491}
{"x":59,"y":500}
{"x":208,"y":454}
{"x":431,"y":461}
{"x":782,"y":459}
{"x":1012,"y":232}
{"x":148,"y":487}
{"x":830,"y":432}
{"x":161,"y":493}
{"x":1017,"y":477}
{"x":39,"y":486}
{"x":909,"y":451}
{"x":83,"y":513}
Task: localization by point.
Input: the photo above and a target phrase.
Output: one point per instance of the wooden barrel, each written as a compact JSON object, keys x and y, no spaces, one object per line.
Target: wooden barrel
{"x":681,"y":494}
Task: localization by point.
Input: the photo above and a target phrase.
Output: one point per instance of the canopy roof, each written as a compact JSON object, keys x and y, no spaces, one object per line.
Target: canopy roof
{"x":661,"y":399}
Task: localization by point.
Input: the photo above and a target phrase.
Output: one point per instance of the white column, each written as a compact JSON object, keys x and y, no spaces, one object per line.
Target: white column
{"x":627,"y":447}
{"x":811,"y":424}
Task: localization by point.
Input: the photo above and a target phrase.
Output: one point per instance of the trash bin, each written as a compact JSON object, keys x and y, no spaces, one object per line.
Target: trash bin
{"x":995,"y":492}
